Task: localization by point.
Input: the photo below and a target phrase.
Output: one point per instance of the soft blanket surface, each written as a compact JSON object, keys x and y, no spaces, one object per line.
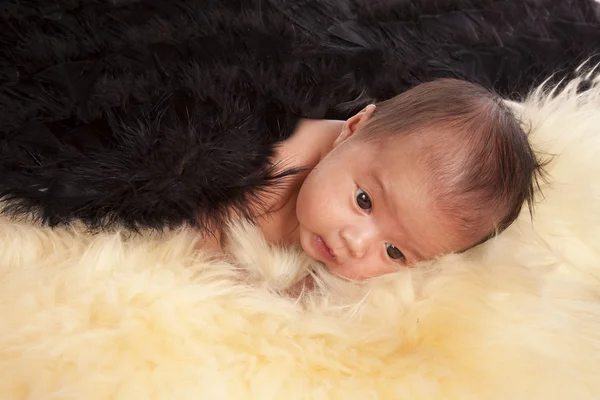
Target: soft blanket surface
{"x":116,"y":316}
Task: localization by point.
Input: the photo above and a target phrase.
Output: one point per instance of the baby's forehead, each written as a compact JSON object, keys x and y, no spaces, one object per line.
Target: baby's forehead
{"x":433,"y":164}
{"x":424,"y":134}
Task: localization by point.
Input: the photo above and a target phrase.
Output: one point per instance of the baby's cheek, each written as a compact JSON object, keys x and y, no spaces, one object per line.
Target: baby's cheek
{"x":309,"y":200}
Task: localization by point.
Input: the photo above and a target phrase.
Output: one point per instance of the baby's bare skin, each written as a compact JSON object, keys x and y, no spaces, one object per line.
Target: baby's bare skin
{"x":311,"y":140}
{"x":437,"y":169}
{"x":362,"y":208}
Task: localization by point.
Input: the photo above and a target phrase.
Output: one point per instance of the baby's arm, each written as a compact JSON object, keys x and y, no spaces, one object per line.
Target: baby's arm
{"x":210,"y":242}
{"x":209,"y":238}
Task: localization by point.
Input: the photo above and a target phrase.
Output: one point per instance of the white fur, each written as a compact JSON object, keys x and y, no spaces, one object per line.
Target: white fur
{"x":148,"y":317}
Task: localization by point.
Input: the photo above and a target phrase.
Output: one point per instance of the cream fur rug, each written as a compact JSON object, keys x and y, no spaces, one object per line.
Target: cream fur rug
{"x":118,"y":317}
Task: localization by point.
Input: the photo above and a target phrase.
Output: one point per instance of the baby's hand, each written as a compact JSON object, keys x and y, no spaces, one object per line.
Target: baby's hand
{"x":209,"y":242}
{"x":303,"y":286}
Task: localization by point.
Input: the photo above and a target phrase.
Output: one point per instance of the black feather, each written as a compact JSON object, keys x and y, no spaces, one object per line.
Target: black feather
{"x":156,"y":113}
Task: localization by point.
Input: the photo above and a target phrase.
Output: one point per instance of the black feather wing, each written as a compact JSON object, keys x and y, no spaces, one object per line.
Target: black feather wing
{"x":154,"y":113}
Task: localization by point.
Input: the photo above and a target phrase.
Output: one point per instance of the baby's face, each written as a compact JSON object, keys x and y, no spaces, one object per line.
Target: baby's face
{"x":367,"y":210}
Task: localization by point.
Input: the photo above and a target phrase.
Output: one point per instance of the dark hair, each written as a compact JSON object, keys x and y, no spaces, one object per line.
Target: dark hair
{"x":479,"y":155}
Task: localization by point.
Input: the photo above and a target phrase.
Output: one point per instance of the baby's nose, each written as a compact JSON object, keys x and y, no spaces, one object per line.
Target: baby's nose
{"x":357,"y":240}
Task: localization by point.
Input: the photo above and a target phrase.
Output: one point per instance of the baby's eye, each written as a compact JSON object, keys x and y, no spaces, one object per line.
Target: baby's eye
{"x":363,"y":200}
{"x":393,"y":252}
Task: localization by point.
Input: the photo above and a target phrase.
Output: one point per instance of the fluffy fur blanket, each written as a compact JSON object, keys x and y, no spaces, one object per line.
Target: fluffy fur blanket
{"x":116,"y":316}
{"x":154,"y":113}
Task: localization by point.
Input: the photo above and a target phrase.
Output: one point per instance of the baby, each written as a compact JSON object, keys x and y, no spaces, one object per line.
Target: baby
{"x":436,"y":170}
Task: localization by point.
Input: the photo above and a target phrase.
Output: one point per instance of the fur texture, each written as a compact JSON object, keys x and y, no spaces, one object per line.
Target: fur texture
{"x":157,"y":113}
{"x":113,"y":316}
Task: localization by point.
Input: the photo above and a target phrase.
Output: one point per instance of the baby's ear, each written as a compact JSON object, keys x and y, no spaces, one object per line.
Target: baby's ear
{"x":354,"y":123}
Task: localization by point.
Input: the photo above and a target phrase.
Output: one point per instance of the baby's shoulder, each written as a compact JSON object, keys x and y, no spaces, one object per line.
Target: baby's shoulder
{"x":301,"y":148}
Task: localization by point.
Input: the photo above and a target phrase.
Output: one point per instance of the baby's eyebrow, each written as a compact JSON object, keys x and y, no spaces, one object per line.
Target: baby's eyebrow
{"x":378,"y":182}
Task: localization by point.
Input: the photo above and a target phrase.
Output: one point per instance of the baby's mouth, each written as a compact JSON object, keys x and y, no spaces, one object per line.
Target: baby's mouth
{"x":323,"y":249}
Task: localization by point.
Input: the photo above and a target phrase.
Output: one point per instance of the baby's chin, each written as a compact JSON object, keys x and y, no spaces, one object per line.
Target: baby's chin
{"x":348,"y":272}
